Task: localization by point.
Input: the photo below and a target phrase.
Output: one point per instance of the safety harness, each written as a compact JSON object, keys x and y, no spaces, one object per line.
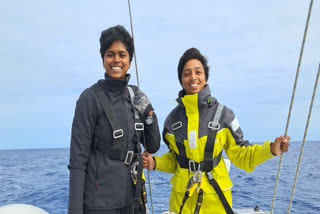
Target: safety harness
{"x":204,"y":166}
{"x":119,"y":149}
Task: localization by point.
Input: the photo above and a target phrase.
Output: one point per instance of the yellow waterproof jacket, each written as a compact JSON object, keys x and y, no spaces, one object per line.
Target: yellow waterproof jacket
{"x":195,"y":112}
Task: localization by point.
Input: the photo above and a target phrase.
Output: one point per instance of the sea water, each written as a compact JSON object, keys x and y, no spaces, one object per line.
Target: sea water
{"x":40,"y":177}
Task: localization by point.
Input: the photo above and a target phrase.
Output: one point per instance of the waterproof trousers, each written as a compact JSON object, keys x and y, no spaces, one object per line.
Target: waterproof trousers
{"x":123,"y":210}
{"x":210,"y":204}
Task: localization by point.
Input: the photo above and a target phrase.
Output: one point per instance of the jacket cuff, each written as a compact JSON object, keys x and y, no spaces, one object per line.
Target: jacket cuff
{"x":147,"y":110}
{"x":157,"y":165}
{"x":76,"y":191}
{"x":165,"y":163}
{"x":264,"y":153}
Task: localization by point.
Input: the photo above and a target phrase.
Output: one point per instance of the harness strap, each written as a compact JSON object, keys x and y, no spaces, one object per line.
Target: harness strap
{"x":118,"y":142}
{"x":186,"y":196}
{"x":220,"y":194}
{"x":199,"y":202}
{"x":140,"y":198}
{"x":207,"y":164}
{"x":127,"y":157}
{"x":138,"y":187}
{"x":213,"y":128}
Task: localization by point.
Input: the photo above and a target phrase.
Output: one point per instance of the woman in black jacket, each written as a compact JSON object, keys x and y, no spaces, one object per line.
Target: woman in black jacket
{"x":111,"y":120}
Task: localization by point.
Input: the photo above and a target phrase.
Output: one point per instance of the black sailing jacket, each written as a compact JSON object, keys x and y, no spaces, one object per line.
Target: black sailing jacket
{"x":96,"y":181}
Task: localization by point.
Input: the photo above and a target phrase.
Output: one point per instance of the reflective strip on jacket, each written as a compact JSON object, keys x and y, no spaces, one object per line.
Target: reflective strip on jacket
{"x":198,"y":110}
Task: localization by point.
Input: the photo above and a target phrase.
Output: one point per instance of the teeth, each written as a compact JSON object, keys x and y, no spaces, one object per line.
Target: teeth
{"x":116,"y":68}
{"x":192,"y":85}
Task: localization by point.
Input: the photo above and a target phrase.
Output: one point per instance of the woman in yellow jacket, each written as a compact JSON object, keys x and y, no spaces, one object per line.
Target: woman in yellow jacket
{"x":196,"y":132}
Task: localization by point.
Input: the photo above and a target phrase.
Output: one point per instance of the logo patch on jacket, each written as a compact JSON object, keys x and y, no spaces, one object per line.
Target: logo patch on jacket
{"x":192,"y":139}
{"x":235,"y":124}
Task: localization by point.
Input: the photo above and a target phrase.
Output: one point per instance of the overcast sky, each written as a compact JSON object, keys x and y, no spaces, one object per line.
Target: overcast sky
{"x":49,"y":53}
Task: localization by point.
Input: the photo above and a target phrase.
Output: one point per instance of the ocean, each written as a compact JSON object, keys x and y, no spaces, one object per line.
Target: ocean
{"x":40,"y":177}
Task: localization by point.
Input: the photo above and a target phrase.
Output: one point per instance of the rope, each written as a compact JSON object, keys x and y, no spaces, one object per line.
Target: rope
{"x":304,"y":138}
{"x":136,"y":66}
{"x":291,"y":103}
{"x":134,"y":50}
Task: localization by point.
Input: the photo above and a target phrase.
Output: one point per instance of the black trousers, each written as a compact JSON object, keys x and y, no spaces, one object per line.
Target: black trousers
{"x":123,"y":210}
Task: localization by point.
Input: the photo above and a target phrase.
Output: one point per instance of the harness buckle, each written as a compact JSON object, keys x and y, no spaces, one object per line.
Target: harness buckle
{"x":214,"y":126}
{"x":196,"y":178}
{"x":139,"y":126}
{"x":129,"y":157}
{"x":117,"y":133}
{"x":134,"y":171}
{"x":192,"y":166}
{"x":210,"y":176}
{"x":176,"y":125}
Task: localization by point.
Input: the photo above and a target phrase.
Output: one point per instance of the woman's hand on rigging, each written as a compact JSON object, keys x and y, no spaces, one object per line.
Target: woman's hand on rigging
{"x":148,"y":161}
{"x":280,"y":144}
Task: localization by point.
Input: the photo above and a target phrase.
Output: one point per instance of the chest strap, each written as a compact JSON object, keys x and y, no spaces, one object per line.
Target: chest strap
{"x":119,"y":149}
{"x":208,"y":163}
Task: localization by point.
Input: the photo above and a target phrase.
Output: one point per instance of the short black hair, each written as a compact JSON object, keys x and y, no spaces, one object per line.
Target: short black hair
{"x":116,"y":33}
{"x":192,"y":53}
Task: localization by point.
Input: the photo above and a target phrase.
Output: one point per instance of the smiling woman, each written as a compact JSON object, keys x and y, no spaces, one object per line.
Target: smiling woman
{"x":106,"y":136}
{"x":196,"y":133}
{"x":193,"y":77}
{"x":116,"y":60}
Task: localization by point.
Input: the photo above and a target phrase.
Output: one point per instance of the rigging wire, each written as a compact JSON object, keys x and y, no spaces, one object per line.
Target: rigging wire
{"x":136,"y":66}
{"x":134,"y":50}
{"x":291,"y":103}
{"x":304,"y":138}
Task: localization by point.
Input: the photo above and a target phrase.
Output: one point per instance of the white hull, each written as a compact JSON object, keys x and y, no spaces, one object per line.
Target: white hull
{"x":21,"y":209}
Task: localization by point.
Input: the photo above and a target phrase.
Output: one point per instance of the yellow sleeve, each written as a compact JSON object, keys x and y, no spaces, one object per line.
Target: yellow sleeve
{"x":166,"y":163}
{"x":249,"y":156}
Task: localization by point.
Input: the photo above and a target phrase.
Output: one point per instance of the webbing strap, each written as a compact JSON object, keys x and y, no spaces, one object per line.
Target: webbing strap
{"x":199,"y":202}
{"x":139,"y":205}
{"x":209,"y":163}
{"x":218,"y":113}
{"x":220,"y":194}
{"x":186,"y":196}
{"x":106,"y":105}
{"x":213,"y":128}
{"x":137,"y":195}
{"x":206,"y":165}
{"x":131,"y":92}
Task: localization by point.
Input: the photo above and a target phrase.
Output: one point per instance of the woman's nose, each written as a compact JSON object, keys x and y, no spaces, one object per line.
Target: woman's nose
{"x":193,"y":76}
{"x":116,"y":58}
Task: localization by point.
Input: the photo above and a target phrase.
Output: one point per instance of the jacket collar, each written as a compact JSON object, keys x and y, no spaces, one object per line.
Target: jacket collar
{"x":115,"y":86}
{"x":203,"y":97}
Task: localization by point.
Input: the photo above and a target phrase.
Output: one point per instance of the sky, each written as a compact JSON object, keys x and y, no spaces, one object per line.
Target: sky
{"x":49,"y":53}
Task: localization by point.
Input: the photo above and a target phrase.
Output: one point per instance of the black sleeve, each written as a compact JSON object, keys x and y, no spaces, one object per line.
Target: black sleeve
{"x":152,"y":135}
{"x":81,"y":138}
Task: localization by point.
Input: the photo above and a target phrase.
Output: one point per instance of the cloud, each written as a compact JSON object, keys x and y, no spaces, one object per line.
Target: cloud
{"x":50,"y":54}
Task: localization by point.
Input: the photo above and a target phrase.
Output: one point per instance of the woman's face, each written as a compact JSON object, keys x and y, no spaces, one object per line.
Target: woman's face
{"x":116,"y":60}
{"x":193,"y":76}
